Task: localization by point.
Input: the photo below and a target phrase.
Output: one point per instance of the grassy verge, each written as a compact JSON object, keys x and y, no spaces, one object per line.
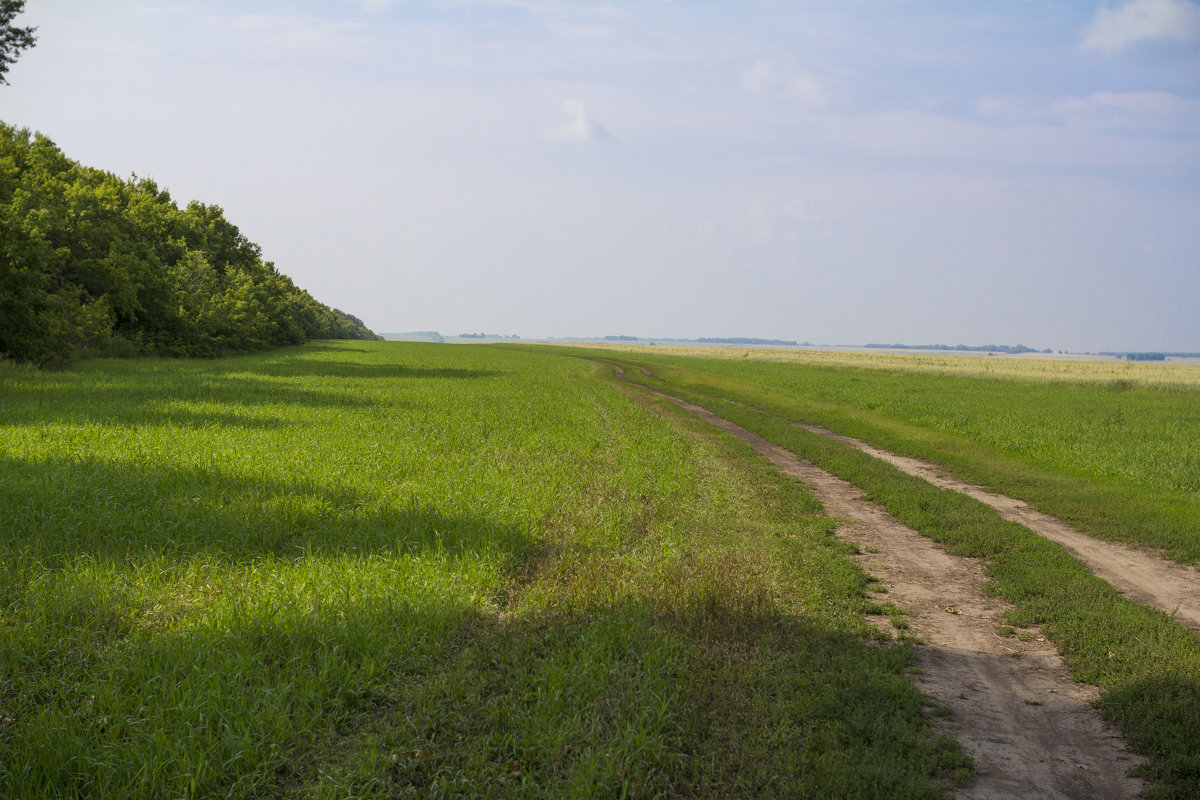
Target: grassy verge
{"x":379,"y":570}
{"x":1146,"y":665}
{"x":1119,"y":458}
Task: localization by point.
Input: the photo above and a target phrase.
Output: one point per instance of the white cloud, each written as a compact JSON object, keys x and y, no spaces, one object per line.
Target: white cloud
{"x":580,"y":127}
{"x":767,"y":77}
{"x":1114,"y":29}
{"x":799,"y":210}
{"x":759,"y":216}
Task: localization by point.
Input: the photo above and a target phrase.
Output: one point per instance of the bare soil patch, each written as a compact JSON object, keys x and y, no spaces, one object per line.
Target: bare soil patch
{"x":1030,"y":727}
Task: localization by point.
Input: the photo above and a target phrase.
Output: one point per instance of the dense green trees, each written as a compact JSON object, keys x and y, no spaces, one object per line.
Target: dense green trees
{"x":91,"y":264}
{"x":12,"y":39}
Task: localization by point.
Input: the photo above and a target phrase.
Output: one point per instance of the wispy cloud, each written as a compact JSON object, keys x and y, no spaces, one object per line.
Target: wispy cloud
{"x":580,"y":127}
{"x":774,"y":217}
{"x":1115,"y":29}
{"x":768,"y":77}
{"x":1153,"y":111}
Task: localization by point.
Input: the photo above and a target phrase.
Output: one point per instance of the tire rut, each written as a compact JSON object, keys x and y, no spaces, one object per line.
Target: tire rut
{"x":1031,"y":729}
{"x":1140,"y":575}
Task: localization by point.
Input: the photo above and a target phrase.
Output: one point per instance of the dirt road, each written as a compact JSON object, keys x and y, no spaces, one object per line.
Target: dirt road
{"x":1140,"y":575}
{"x":1014,"y":706}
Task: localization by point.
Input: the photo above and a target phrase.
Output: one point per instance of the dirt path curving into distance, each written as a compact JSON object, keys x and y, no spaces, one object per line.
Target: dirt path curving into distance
{"x":1140,"y":575}
{"x":1015,"y":707}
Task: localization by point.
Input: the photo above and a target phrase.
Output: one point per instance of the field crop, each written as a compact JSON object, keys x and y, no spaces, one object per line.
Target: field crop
{"x":1118,"y":457}
{"x":380,"y":570}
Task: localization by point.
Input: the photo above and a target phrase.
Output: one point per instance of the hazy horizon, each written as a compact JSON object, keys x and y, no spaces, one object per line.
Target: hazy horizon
{"x":969,"y":348}
{"x":842,"y":172}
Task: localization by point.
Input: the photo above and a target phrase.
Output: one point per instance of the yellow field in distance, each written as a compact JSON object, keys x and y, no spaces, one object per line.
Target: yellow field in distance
{"x":1044,"y":368}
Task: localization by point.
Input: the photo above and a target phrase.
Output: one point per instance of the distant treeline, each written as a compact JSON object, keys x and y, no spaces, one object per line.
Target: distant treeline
{"x":745,"y":340}
{"x":994,"y":348}
{"x":486,"y":336}
{"x":1151,"y":356}
{"x":91,"y":264}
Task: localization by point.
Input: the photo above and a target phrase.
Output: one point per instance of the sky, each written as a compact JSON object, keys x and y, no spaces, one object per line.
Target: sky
{"x":843,"y":172}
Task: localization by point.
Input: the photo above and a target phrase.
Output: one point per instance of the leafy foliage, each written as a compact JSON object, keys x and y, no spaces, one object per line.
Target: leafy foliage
{"x":12,"y":39}
{"x":91,"y":264}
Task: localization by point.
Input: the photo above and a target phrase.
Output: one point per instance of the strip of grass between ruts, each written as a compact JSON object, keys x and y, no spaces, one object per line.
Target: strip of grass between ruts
{"x":1147,"y":666}
{"x":379,"y":570}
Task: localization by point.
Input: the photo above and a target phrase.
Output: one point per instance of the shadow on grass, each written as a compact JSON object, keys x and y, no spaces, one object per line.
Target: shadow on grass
{"x":132,"y":396}
{"x":630,"y":699}
{"x":323,"y":368}
{"x":383,"y":682}
{"x":52,"y":510}
{"x":404,"y":695}
{"x":1161,"y":717}
{"x":222,"y":702}
{"x":321,"y":360}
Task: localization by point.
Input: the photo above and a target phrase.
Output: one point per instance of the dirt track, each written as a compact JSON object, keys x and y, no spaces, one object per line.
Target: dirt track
{"x":1138,"y":574}
{"x":1029,"y":726}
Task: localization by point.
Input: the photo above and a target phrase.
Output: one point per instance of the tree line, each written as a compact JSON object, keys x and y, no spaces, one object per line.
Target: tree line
{"x":94,"y":265}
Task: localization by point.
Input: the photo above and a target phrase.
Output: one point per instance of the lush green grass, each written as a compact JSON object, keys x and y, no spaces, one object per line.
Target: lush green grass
{"x":1147,"y":666}
{"x":378,"y":570}
{"x":1119,"y":458}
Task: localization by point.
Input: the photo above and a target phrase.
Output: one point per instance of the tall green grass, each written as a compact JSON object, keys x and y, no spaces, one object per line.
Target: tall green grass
{"x":380,"y":570}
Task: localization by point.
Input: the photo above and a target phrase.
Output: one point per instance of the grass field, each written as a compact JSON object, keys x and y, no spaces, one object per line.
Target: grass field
{"x":380,"y":570}
{"x":1112,"y":447}
{"x":1147,"y":665}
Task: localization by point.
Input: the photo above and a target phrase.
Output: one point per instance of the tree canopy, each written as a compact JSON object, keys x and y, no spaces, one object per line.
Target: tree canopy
{"x":92,"y":264}
{"x":12,"y":39}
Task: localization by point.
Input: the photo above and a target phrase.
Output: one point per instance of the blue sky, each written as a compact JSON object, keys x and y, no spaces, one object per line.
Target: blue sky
{"x":841,"y":172}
